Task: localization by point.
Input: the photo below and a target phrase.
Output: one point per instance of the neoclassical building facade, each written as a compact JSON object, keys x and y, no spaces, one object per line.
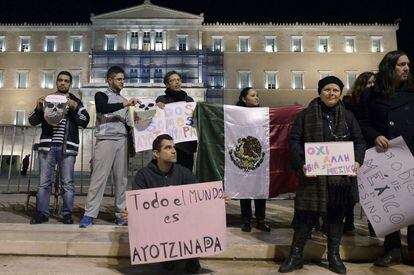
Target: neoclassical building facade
{"x":282,"y":61}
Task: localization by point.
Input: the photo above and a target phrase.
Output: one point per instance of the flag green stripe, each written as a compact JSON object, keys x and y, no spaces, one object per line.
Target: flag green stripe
{"x":210,"y":131}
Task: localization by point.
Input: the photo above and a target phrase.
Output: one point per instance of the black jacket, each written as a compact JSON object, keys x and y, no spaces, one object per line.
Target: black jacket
{"x":74,"y":119}
{"x":393,"y":117}
{"x":151,"y":177}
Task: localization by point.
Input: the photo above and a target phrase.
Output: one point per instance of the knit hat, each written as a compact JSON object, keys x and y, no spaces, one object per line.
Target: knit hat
{"x":328,"y":80}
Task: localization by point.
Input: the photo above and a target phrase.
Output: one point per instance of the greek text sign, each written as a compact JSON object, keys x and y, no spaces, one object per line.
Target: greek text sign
{"x":176,"y":222}
{"x":386,"y":187}
{"x":175,"y":119}
{"x":329,"y":158}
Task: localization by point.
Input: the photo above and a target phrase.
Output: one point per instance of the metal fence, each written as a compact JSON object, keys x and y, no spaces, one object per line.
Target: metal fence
{"x":18,"y":141}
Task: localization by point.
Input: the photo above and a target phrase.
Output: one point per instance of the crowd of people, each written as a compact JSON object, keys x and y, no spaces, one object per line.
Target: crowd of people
{"x":378,"y":108}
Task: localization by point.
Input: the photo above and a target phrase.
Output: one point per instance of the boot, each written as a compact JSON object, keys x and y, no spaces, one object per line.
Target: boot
{"x":295,"y":259}
{"x":390,"y":258}
{"x":335,"y":232}
{"x":246,"y":227}
{"x":262,"y":226}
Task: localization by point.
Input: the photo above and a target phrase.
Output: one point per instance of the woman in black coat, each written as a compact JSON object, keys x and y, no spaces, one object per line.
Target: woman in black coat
{"x":386,"y":112}
{"x":325,"y":119}
{"x":249,"y":98}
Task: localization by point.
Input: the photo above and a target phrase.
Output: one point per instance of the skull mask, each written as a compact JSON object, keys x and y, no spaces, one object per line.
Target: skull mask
{"x":55,"y":109}
{"x":146,"y":110}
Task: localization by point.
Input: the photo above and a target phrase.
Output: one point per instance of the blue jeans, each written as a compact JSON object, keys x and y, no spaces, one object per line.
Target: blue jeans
{"x":66,"y":163}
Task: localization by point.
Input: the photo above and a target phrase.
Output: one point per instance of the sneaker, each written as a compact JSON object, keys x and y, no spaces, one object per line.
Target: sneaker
{"x":67,"y":219}
{"x":38,"y":219}
{"x":86,"y":222}
{"x":119,"y":220}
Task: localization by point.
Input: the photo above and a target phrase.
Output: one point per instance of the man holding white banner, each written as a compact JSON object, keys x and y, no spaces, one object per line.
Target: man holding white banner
{"x":386,"y":112}
{"x":173,"y":93}
{"x":327,"y":195}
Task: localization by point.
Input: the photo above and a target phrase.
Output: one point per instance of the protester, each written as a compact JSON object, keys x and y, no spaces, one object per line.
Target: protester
{"x":25,"y":165}
{"x":59,"y":146}
{"x":325,"y":119}
{"x":163,"y":171}
{"x":173,"y":93}
{"x":249,"y":98}
{"x":364,"y":81}
{"x":386,"y":112}
{"x":110,"y":153}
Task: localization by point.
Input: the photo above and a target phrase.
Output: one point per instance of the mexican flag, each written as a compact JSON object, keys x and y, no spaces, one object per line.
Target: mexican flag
{"x":247,"y":148}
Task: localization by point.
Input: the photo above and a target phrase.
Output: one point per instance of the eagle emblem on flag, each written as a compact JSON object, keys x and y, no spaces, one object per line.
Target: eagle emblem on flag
{"x":247,"y":154}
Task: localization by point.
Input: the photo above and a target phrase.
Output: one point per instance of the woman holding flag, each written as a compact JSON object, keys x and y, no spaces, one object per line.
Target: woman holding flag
{"x":324,"y":120}
{"x":249,"y":98}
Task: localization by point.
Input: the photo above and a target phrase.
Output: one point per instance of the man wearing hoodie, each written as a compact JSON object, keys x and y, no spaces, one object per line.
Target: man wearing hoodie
{"x":164,"y":171}
{"x":173,"y":93}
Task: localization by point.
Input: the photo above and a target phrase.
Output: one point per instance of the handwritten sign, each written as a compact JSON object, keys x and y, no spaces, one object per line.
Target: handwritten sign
{"x":175,"y":119}
{"x":386,"y":187}
{"x":176,"y":222}
{"x":329,"y":158}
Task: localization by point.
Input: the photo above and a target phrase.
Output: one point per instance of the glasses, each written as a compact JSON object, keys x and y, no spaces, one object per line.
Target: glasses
{"x":174,"y":80}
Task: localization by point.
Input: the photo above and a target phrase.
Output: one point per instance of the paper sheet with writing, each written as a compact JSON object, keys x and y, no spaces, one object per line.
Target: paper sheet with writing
{"x":176,"y":222}
{"x":329,"y":158}
{"x":386,"y":187}
{"x":175,"y":119}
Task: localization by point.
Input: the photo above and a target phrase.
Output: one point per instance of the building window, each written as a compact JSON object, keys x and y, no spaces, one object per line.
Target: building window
{"x":158,"y":75}
{"x":48,"y":77}
{"x":133,"y":44}
{"x":217,"y":44}
{"x":2,"y":43}
{"x":76,"y":79}
{"x":110,"y":42}
{"x":350,"y":44}
{"x":271,"y":80}
{"x":323,"y":74}
{"x":50,"y":44}
{"x":182,"y":42}
{"x":1,"y":78}
{"x":20,"y":117}
{"x":76,"y":45}
{"x":298,"y":81}
{"x":24,"y":45}
{"x":376,"y":44}
{"x":22,"y":79}
{"x":145,"y":75}
{"x":244,"y":79}
{"x":351,"y":76}
{"x":159,"y":41}
{"x":244,"y":44}
{"x":297,"y":44}
{"x":270,"y":44}
{"x":323,"y":44}
{"x":146,"y":42}
{"x":216,"y":79}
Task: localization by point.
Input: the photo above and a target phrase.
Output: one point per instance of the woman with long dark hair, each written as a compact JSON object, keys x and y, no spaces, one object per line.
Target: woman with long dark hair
{"x":324,"y":120}
{"x":386,"y":112}
{"x":365,"y":80}
{"x":249,"y":98}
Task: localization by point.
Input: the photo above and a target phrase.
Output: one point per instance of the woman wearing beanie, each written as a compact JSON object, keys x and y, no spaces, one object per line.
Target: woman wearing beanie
{"x":249,"y":98}
{"x":325,"y":119}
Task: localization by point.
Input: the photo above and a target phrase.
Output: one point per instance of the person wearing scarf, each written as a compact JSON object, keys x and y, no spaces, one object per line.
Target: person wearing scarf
{"x":173,"y":93}
{"x":324,"y":120}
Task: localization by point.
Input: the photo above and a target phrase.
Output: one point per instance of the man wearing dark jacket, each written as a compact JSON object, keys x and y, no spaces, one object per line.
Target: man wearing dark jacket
{"x":163,"y":171}
{"x":386,"y":112}
{"x":58,"y":145}
{"x":173,"y":93}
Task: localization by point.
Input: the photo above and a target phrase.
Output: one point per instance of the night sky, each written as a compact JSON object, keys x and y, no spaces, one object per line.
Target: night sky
{"x":257,"y":11}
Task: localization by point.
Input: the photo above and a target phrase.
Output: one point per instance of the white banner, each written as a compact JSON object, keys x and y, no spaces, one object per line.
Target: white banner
{"x":386,"y":187}
{"x":329,"y":158}
{"x":175,"y":119}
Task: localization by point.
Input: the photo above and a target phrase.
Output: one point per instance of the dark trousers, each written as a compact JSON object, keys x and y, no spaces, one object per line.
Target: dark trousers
{"x":259,"y":208}
{"x":393,"y":240}
{"x":185,"y":159}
